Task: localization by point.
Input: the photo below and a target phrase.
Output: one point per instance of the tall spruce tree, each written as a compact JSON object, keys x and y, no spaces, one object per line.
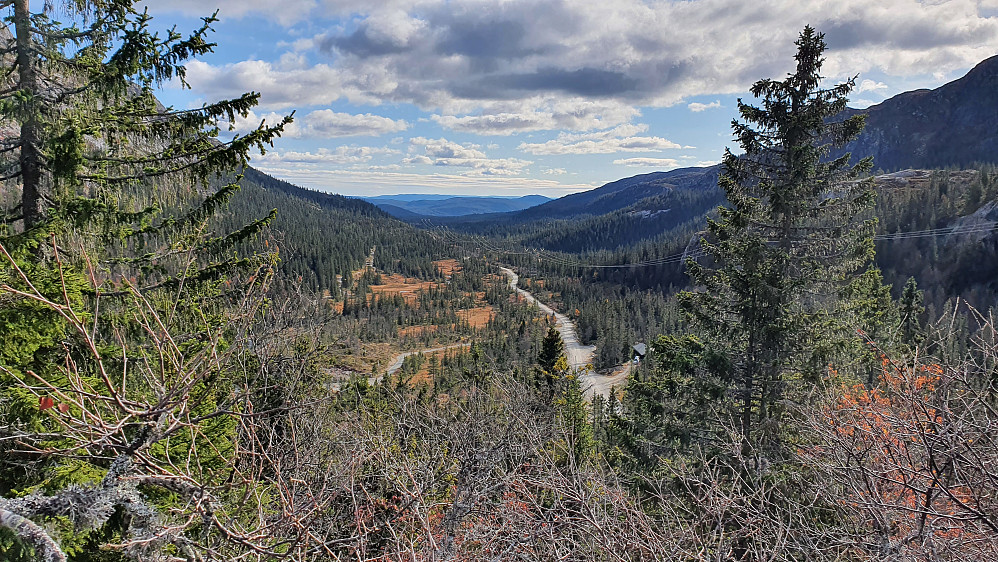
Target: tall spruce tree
{"x":790,"y":238}
{"x":83,"y":123}
{"x":910,"y":308}
{"x":872,"y":314}
{"x":97,"y":165}
{"x":551,"y":349}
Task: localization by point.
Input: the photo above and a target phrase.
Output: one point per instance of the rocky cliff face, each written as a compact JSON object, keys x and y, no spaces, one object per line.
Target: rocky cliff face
{"x":953,"y":125}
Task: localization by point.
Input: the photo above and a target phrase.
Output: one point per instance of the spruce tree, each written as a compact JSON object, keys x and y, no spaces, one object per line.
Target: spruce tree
{"x":790,"y":238}
{"x":911,"y":309}
{"x":573,"y":415}
{"x":676,"y":405}
{"x":872,"y":316}
{"x":80,"y":96}
{"x":551,"y":349}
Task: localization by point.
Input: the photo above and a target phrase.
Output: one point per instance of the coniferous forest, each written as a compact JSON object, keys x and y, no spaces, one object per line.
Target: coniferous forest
{"x":796,"y":360}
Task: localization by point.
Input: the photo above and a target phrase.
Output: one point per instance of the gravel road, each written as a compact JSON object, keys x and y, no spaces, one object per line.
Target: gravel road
{"x":594,"y":383}
{"x":578,"y":355}
{"x":397,"y":362}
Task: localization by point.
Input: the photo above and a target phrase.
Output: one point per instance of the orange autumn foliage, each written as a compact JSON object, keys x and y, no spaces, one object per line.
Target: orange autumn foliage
{"x":913,"y":458}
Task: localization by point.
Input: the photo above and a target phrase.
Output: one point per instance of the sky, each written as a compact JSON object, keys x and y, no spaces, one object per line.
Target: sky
{"x":517,"y":97}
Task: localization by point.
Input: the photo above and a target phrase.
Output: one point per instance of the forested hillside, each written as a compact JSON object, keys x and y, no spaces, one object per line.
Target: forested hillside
{"x":322,"y":236}
{"x":920,"y":218}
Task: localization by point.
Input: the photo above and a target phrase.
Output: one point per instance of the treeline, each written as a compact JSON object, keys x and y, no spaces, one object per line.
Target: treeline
{"x":322,"y":237}
{"x":946,"y":264}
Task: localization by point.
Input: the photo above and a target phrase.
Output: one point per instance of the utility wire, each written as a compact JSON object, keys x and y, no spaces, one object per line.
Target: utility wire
{"x":554,"y":258}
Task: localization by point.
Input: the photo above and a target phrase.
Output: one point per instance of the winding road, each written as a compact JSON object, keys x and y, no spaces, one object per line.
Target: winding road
{"x":580,"y":357}
{"x":400,"y":358}
{"x":396,"y":363}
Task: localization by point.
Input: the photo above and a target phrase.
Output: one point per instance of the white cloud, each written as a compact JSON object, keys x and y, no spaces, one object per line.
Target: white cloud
{"x":648,"y":162}
{"x":443,"y":148}
{"x":697,"y":107}
{"x":507,"y":118}
{"x":324,"y":124}
{"x":285,"y":12}
{"x":619,"y":139}
{"x":374,"y":182}
{"x":465,"y":60}
{"x":342,"y":155}
{"x":253,"y":120}
{"x":280,"y":86}
{"x":554,"y":171}
{"x":418,"y":159}
{"x":442,"y":152}
{"x":870,"y":86}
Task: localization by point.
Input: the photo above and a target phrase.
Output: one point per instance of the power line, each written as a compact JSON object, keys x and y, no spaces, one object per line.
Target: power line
{"x":551,"y":257}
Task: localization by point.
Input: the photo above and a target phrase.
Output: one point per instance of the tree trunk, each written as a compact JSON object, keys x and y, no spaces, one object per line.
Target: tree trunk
{"x":33,"y":195}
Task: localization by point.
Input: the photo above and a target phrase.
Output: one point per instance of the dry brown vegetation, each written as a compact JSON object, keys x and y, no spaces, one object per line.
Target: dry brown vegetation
{"x":447,"y":267}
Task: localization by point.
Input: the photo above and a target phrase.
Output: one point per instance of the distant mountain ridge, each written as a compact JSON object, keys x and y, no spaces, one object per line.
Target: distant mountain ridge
{"x":406,"y":205}
{"x":636,"y":193}
{"x":955,"y":124}
{"x":624,"y":193}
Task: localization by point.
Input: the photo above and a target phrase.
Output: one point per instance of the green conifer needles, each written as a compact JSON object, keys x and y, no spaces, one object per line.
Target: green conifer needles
{"x":792,"y":235}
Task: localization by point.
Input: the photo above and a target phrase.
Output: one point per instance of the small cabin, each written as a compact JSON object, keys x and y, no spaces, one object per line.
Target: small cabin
{"x":638,"y":352}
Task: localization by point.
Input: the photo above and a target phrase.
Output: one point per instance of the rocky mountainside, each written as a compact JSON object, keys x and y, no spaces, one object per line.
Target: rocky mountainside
{"x":953,"y":125}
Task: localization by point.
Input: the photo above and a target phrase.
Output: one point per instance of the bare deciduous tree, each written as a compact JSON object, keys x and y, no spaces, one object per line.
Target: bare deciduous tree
{"x":913,"y":460}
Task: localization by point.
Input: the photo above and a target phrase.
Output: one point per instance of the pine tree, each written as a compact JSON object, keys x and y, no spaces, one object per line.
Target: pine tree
{"x":790,"y":238}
